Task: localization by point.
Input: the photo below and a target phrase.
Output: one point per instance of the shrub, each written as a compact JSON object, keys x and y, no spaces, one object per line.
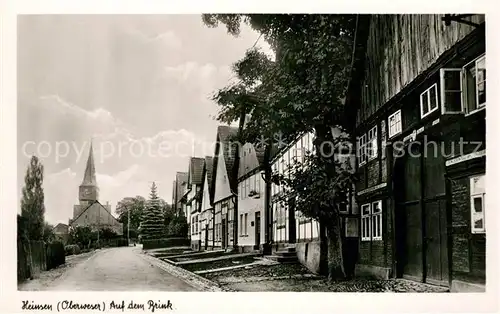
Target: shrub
{"x":56,"y":254}
{"x":165,"y":242}
{"x":72,"y":249}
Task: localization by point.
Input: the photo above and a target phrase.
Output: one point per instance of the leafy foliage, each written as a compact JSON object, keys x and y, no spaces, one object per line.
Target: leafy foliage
{"x":32,"y":202}
{"x":80,"y":235}
{"x":178,"y":226}
{"x":48,"y":232}
{"x":152,"y":224}
{"x":56,"y":255}
{"x":302,"y":90}
{"x":136,"y":206}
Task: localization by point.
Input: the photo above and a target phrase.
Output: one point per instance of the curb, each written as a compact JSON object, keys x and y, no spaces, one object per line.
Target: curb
{"x":194,"y":280}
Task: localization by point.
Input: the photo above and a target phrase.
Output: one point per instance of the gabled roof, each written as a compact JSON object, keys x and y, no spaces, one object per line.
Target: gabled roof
{"x":180,"y":179}
{"x":60,"y":227}
{"x":90,"y":205}
{"x":196,"y":170}
{"x":225,"y":135}
{"x":207,"y":173}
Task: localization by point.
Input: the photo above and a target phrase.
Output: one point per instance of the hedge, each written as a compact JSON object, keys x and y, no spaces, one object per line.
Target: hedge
{"x":72,"y":249}
{"x":56,"y":254}
{"x":165,"y":242}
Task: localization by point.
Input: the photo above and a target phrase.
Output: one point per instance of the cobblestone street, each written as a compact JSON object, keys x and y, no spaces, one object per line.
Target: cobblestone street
{"x":296,"y":278}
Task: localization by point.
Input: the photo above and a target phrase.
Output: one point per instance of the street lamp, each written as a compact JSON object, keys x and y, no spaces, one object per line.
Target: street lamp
{"x":128,"y":226}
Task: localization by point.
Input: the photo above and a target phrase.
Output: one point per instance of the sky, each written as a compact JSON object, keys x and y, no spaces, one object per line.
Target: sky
{"x":137,"y":86}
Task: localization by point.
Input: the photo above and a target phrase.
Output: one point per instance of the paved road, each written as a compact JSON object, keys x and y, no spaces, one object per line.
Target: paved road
{"x":118,"y":269}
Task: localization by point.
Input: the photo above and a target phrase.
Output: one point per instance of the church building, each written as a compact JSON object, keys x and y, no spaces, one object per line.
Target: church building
{"x":90,"y":212}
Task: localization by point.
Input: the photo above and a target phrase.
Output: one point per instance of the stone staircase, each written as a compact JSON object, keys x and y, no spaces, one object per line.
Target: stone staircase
{"x":287,"y":255}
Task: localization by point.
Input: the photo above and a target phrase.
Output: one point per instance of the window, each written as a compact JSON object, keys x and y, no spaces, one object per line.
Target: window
{"x":371,"y":221}
{"x":395,"y":126}
{"x":365,"y":222}
{"x":451,"y":90}
{"x":475,"y":84}
{"x":428,"y":101}
{"x":246,"y":224}
{"x":362,"y":150}
{"x":377,"y":220}
{"x":371,"y":143}
{"x":464,"y":89}
{"x":477,"y":196}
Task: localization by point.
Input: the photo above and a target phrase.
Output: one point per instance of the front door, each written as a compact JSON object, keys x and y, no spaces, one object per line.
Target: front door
{"x":224,"y":233}
{"x":257,"y":229}
{"x":409,"y":210}
{"x":421,"y":241}
{"x":435,"y":229}
{"x":206,"y":237}
{"x":292,"y":230}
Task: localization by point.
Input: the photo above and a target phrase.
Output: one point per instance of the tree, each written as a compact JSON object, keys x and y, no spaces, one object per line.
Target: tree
{"x":152,"y":224}
{"x":32,"y":202}
{"x":303,"y":90}
{"x":81,"y":235}
{"x":169,"y":214}
{"x":48,"y":232}
{"x":136,"y":206}
{"x":178,"y":226}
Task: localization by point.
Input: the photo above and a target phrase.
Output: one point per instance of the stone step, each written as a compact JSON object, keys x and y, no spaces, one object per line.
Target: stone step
{"x":285,"y":253}
{"x":287,"y":249}
{"x":283,"y":259}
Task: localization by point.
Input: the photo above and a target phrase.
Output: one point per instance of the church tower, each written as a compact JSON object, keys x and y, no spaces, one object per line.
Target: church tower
{"x":88,"y":190}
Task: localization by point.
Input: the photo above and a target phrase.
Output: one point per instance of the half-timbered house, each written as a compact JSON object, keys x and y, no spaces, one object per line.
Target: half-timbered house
{"x":225,"y":188}
{"x":418,"y":95}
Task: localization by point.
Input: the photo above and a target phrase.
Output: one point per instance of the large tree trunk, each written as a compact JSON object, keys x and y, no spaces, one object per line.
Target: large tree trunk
{"x":336,"y":269}
{"x":332,"y":221}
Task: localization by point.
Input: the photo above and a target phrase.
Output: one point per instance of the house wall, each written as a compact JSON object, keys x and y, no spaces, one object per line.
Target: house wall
{"x":223,"y":204}
{"x":395,"y":59}
{"x":195,"y":219}
{"x":400,"y":47}
{"x":281,"y":215}
{"x":248,"y":206}
{"x":206,"y":217}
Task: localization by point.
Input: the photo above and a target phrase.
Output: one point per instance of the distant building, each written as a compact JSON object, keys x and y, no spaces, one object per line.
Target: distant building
{"x":61,"y":232}
{"x":225,"y":188}
{"x":90,"y":212}
{"x":195,"y":176}
{"x":207,"y":208}
{"x":178,"y":190}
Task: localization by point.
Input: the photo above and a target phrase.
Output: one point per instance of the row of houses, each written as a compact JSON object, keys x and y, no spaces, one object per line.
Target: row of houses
{"x":416,"y":109}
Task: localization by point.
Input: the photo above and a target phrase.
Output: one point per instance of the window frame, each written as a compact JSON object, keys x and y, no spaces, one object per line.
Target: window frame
{"x":443,"y":91}
{"x":473,"y":195}
{"x":373,"y":153}
{"x":362,"y":160}
{"x":374,"y":216}
{"x":428,"y":92}
{"x":397,"y":113}
{"x":366,"y":217}
{"x":464,"y":75}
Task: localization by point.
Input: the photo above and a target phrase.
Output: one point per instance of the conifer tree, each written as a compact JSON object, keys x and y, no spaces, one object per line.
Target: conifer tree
{"x":32,"y":202}
{"x":152,"y":224}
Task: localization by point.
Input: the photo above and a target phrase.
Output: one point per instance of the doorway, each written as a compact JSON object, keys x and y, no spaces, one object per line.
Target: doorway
{"x":292,"y":229}
{"x":224,"y":233}
{"x":420,"y":215}
{"x":257,"y":230}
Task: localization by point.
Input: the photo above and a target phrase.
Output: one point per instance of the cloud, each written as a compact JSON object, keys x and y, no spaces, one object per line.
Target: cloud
{"x":167,"y":38}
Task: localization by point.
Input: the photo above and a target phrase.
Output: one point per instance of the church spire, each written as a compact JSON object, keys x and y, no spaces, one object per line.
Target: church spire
{"x":89,"y":176}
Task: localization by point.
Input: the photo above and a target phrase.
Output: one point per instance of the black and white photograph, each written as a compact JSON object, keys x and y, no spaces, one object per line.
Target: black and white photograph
{"x":253,"y":152}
